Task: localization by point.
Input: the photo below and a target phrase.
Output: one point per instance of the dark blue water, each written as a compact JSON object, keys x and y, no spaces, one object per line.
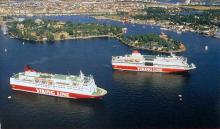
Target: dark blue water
{"x":134,"y":99}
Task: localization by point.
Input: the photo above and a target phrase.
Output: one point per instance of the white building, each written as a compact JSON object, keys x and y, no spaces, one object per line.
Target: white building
{"x":187,"y":2}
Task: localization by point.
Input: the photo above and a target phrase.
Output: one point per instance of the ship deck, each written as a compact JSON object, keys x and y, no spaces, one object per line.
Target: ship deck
{"x":54,"y":76}
{"x":99,"y":92}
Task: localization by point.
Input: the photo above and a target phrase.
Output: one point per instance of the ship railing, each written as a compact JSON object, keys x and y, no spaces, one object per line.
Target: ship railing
{"x":23,"y":80}
{"x":115,"y":58}
{"x":119,"y":57}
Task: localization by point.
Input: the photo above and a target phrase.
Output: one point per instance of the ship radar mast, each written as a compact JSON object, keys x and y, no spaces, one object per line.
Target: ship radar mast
{"x":91,"y":79}
{"x":81,"y":75}
{"x":172,"y":54}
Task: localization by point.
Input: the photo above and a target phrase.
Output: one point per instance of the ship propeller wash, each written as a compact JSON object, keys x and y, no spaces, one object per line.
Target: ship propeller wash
{"x":67,"y":86}
{"x":151,"y":63}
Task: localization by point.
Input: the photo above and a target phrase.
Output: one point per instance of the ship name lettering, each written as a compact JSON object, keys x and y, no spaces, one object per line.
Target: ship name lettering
{"x":149,"y":69}
{"x":62,"y":94}
{"x":157,"y":70}
{"x":145,"y":69}
{"x":46,"y":92}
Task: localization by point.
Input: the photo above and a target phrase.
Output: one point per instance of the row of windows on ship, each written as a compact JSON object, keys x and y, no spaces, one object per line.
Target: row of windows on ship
{"x":138,"y":60}
{"x":50,"y":82}
{"x":149,"y":59}
{"x":69,"y":87}
{"x":55,"y":86}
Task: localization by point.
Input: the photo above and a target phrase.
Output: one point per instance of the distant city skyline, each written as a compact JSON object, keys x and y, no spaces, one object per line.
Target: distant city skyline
{"x":183,"y":1}
{"x":130,"y":0}
{"x":163,"y":1}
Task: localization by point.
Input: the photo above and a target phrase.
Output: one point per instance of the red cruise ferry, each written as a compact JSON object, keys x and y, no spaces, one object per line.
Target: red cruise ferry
{"x":67,"y":86}
{"x":151,"y":63}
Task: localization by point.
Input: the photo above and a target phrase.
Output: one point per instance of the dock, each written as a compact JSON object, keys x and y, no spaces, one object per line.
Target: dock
{"x":4,"y":28}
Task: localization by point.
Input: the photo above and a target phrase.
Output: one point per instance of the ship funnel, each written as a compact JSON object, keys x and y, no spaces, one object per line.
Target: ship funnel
{"x":29,"y":68}
{"x":135,"y":52}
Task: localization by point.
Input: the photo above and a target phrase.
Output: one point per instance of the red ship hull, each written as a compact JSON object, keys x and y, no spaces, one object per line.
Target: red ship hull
{"x":148,"y":69}
{"x":52,"y":92}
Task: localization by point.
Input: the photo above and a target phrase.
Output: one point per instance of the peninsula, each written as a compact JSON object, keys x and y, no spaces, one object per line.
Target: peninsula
{"x":153,"y":42}
{"x":49,"y":30}
{"x":40,"y":30}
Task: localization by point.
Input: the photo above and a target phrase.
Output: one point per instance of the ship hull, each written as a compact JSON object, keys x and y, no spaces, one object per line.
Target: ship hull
{"x":149,"y":69}
{"x":53,"y":92}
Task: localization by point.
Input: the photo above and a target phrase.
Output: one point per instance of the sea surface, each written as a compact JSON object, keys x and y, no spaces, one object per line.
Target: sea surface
{"x":134,"y":99}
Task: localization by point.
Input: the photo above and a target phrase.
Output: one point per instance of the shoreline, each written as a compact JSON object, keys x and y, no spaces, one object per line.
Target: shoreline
{"x":69,"y":38}
{"x":153,"y":50}
{"x":109,"y":36}
{"x":173,"y":28}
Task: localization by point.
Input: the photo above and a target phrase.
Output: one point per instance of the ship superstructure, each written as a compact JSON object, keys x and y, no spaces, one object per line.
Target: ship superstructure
{"x":68,"y":86}
{"x":151,"y":63}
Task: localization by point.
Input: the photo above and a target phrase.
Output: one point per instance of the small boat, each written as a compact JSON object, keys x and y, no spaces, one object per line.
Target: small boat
{"x":179,"y":32}
{"x":163,"y":28}
{"x":206,"y":48}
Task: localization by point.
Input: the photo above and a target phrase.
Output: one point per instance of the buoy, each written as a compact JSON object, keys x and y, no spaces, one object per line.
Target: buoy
{"x":6,"y":50}
{"x":23,"y":43}
{"x":9,"y":97}
{"x":206,"y":48}
{"x":180,"y":97}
